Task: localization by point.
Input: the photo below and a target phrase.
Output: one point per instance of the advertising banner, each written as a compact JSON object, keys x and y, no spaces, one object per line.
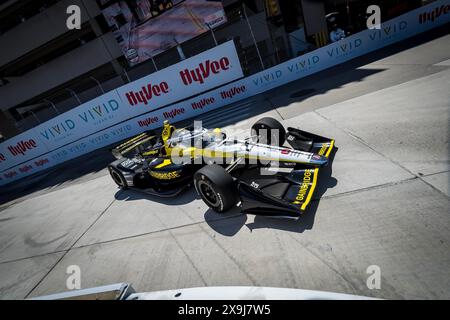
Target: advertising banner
{"x":21,"y":148}
{"x":192,"y":76}
{"x":90,"y":117}
{"x":392,"y":31}
{"x":146,"y":28}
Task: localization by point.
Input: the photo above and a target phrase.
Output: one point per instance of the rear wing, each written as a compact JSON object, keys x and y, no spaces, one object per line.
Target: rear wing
{"x":134,"y":145}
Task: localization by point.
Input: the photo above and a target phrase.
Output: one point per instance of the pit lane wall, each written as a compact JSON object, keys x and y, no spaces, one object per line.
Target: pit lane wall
{"x":144,"y":104}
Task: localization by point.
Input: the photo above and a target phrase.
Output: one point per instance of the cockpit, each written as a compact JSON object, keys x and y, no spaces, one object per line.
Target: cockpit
{"x":184,"y":138}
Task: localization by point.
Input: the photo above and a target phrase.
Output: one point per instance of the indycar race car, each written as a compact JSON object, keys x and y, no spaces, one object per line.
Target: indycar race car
{"x":259,"y":172}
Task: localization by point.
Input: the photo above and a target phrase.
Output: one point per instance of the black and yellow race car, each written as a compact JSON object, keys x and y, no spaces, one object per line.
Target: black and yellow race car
{"x":260,"y":173}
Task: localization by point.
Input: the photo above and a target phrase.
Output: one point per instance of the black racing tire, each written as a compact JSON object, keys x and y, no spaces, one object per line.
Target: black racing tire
{"x":216,"y":187}
{"x":276,"y":134}
{"x":118,"y":177}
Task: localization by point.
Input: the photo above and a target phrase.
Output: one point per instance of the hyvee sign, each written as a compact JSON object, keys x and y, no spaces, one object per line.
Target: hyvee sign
{"x":21,"y":148}
{"x":198,"y":74}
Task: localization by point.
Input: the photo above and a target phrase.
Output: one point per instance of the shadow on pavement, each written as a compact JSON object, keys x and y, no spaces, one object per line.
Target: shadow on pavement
{"x":227,"y":224}
{"x":185,"y":197}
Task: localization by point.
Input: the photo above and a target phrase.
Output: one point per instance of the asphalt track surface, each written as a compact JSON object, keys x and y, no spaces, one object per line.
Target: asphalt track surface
{"x":384,"y":201}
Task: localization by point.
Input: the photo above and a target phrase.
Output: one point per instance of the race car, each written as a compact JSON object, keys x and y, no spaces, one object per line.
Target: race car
{"x":259,"y":173}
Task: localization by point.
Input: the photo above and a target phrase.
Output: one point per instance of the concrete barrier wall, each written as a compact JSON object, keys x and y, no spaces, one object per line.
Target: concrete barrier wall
{"x":116,"y":116}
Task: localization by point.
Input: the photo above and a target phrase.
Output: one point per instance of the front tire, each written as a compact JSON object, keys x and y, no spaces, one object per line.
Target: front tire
{"x":216,"y":187}
{"x":118,"y":177}
{"x":269,"y":131}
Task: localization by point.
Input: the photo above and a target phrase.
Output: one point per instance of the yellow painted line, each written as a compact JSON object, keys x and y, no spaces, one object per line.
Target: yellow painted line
{"x":311,"y":191}
{"x":331,"y":148}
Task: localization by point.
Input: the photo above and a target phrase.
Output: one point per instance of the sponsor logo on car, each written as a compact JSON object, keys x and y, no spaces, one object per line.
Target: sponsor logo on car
{"x":165,"y":175}
{"x":316,"y":157}
{"x":322,"y":150}
{"x":304,"y":187}
{"x":254,"y":185}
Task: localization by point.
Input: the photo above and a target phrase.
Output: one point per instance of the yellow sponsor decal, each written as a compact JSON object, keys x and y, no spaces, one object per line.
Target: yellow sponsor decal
{"x":304,"y":187}
{"x":165,"y":175}
{"x":322,"y":150}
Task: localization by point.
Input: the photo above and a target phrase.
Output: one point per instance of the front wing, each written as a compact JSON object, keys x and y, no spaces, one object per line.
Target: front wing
{"x":285,"y":194}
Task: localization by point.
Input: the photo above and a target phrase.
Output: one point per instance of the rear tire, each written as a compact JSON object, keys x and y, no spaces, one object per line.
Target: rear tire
{"x":216,"y":187}
{"x":118,"y":178}
{"x":275,"y":133}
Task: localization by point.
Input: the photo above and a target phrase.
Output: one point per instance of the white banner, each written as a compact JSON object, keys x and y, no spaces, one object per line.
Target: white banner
{"x":192,"y":76}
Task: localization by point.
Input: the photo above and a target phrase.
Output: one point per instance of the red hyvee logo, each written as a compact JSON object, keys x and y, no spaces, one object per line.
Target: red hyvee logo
{"x":147,"y":93}
{"x":433,"y":15}
{"x":22,"y":147}
{"x":148,"y":121}
{"x":173,"y":113}
{"x":202,"y":103}
{"x":228,"y":94}
{"x":41,"y":162}
{"x":26,"y":168}
{"x":204,"y":71}
{"x":10,"y":174}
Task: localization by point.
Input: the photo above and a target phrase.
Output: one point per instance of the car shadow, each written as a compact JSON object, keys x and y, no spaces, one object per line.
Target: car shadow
{"x":184,"y":197}
{"x":232,"y":225}
{"x":227,"y":224}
